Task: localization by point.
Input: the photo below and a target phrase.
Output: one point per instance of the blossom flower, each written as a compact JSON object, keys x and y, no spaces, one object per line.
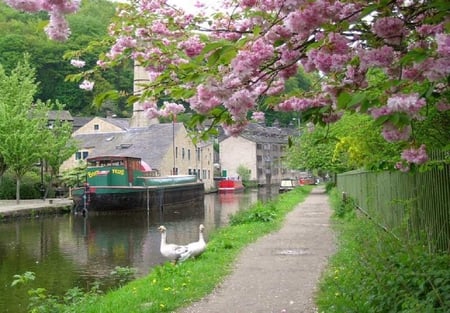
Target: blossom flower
{"x":415,"y":156}
{"x":87,"y":85}
{"x":392,"y":133}
{"x":193,"y":46}
{"x":77,"y":63}
{"x":391,"y":29}
{"x":258,"y":116}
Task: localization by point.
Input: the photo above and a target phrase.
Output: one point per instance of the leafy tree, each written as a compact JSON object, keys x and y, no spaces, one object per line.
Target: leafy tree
{"x":59,"y":145}
{"x":244,"y":173}
{"x":24,"y":133}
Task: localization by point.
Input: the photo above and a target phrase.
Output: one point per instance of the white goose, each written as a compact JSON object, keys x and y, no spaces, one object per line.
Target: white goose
{"x":172,"y":251}
{"x":195,"y":248}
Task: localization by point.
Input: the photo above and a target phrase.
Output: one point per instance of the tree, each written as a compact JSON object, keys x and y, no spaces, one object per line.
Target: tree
{"x":59,"y":145}
{"x":224,"y":63}
{"x":24,"y":133}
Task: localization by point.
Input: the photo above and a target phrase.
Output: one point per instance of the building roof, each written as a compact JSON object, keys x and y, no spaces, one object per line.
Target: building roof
{"x":62,"y":115}
{"x":150,"y":144}
{"x":261,"y":134}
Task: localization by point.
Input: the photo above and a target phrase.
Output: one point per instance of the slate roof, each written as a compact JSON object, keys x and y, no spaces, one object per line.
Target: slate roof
{"x":150,"y":144}
{"x":123,"y":123}
{"x":62,"y":115}
{"x":261,"y":134}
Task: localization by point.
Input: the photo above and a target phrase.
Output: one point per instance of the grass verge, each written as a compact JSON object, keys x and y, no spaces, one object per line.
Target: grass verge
{"x":168,"y":288}
{"x":373,"y":271}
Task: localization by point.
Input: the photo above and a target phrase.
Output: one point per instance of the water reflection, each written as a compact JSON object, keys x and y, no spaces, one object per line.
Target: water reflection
{"x":67,"y":251}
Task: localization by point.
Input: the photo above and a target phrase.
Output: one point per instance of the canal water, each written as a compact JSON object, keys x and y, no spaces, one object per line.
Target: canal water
{"x":67,"y":251}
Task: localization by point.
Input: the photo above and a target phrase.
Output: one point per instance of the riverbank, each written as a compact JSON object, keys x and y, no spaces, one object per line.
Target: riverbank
{"x":9,"y":209}
{"x":277,"y":273}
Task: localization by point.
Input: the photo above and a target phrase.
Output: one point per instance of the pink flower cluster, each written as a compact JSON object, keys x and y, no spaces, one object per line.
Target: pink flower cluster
{"x":58,"y":28}
{"x":406,"y":103}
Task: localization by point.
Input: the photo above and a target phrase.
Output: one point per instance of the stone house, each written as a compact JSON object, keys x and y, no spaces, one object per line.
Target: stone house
{"x":258,"y":148}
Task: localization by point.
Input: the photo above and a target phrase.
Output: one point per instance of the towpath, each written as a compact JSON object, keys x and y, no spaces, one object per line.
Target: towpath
{"x":278,"y":273}
{"x":9,"y":208}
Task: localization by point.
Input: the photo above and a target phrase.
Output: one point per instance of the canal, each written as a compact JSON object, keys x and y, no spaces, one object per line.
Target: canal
{"x":67,"y":251}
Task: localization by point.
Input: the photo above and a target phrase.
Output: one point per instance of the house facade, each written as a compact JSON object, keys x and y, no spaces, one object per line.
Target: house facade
{"x":258,"y":148}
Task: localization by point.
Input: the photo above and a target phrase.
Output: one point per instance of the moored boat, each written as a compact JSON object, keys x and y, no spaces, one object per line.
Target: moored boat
{"x":230,"y":185}
{"x":127,"y":183}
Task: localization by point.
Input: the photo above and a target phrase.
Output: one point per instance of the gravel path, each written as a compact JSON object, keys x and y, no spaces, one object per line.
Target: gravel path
{"x":279,"y":272}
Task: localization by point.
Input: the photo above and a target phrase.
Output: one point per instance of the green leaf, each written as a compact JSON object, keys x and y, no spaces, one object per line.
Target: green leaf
{"x":344,"y":99}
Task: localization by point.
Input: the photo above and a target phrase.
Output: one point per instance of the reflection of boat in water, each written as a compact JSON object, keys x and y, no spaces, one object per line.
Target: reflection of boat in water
{"x":126,"y":183}
{"x":230,"y":185}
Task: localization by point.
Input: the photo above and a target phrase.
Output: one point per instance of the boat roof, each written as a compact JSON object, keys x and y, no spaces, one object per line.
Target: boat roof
{"x":111,"y":157}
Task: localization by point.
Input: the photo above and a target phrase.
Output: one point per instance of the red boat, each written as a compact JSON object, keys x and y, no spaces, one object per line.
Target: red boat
{"x":230,"y":185}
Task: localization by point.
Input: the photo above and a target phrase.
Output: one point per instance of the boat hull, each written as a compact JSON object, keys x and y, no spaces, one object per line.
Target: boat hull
{"x":230,"y":186}
{"x":107,"y":198}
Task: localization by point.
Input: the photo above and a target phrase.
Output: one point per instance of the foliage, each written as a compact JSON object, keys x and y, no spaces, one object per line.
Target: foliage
{"x":22,"y":32}
{"x":43,"y":302}
{"x":22,"y":121}
{"x":352,"y":142}
{"x":261,"y":213}
{"x":29,"y":188}
{"x":74,"y":177}
{"x":123,"y":274}
{"x":374,"y":272}
{"x":244,"y":173}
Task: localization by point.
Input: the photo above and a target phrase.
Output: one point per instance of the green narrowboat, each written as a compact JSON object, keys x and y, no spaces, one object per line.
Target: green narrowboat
{"x":126,"y":183}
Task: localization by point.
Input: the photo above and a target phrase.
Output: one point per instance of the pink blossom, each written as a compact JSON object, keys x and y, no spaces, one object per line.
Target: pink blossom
{"x":258,"y":116}
{"x":77,"y":63}
{"x":443,"y":106}
{"x":402,"y":167}
{"x":87,"y":85}
{"x":406,"y":103}
{"x":58,"y":28}
{"x":193,"y":46}
{"x":25,"y":5}
{"x":171,"y":109}
{"x":415,"y":156}
{"x":392,"y":133}
{"x":234,"y":129}
{"x":391,"y":29}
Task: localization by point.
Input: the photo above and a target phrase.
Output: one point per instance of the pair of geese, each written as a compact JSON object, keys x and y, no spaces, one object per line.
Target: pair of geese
{"x":179,"y":253}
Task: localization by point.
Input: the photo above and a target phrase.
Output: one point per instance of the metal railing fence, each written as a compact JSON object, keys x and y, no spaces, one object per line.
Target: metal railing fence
{"x":414,"y":206}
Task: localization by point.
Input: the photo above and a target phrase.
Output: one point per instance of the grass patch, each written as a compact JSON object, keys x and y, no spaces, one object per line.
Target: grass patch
{"x":169,"y":287}
{"x":374,"y":272}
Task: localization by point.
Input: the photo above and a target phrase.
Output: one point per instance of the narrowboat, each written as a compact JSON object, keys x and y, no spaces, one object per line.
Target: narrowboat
{"x":127,"y":183}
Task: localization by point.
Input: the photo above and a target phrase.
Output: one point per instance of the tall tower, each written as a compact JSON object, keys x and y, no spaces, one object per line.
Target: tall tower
{"x":139,"y":119}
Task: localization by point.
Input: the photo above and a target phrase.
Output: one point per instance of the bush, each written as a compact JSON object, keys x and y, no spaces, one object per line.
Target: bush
{"x":29,"y":187}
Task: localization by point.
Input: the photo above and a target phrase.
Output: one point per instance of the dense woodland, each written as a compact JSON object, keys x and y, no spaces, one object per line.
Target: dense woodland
{"x":23,"y":33}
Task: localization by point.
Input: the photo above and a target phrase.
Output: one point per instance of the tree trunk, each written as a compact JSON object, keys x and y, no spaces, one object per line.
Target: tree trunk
{"x":18,"y":190}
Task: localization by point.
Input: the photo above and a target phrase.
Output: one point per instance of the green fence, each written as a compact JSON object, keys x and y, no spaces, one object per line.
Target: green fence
{"x":412,"y":206}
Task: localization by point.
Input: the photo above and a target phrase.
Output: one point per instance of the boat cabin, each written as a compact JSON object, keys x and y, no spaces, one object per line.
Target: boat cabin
{"x":114,"y":170}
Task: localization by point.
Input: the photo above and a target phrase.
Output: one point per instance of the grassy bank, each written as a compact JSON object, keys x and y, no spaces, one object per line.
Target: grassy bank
{"x":373,"y":271}
{"x":169,"y":287}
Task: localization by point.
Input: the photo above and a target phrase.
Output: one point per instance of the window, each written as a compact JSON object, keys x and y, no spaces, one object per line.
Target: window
{"x":182,"y":153}
{"x":96,"y":127}
{"x":176,"y":152}
{"x":81,"y":155}
{"x":189,"y":154}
